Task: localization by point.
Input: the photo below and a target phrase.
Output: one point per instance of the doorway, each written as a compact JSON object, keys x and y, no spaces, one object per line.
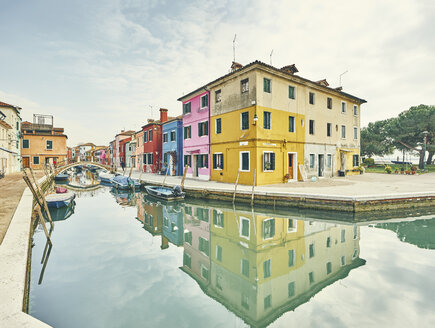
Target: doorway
{"x":195,"y":165}
{"x":26,"y":162}
{"x":343,"y":161}
{"x":292,"y":164}
{"x":321,"y":165}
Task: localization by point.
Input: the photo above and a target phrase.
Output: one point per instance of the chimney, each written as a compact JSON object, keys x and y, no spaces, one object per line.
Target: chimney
{"x":339,"y":88}
{"x":235,"y":66}
{"x":291,"y":69}
{"x":163,"y":115}
{"x":323,"y":82}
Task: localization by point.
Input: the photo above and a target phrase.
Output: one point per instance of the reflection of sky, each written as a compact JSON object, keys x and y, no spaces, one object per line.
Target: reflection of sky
{"x":106,"y":271}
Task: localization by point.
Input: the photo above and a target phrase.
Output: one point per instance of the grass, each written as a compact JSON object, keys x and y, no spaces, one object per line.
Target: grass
{"x":394,"y":167}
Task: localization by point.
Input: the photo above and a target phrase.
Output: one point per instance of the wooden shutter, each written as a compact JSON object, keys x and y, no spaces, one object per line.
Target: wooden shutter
{"x":214,"y":161}
{"x":272,"y":161}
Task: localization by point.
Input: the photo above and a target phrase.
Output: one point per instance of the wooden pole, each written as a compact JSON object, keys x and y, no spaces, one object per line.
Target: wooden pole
{"x":131,"y":169}
{"x":166,"y":174}
{"x":41,"y":220}
{"x":184,"y":177}
{"x":235,"y":186}
{"x":253,"y":186}
{"x":44,"y":202}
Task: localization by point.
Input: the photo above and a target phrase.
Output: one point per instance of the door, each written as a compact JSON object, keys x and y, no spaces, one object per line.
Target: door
{"x":26,"y":162}
{"x":321,"y":165}
{"x":171,"y":163}
{"x":290,"y":165}
{"x":343,"y":160}
{"x":195,"y":165}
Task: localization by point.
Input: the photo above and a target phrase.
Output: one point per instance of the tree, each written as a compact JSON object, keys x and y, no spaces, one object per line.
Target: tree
{"x":375,"y":139}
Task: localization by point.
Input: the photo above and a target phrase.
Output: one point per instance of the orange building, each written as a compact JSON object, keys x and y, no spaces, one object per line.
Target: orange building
{"x":42,"y":143}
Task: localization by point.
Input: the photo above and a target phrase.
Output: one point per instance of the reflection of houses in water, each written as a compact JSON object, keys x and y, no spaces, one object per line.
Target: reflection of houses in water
{"x":260,"y":266}
{"x":173,"y":223}
{"x":125,"y":197}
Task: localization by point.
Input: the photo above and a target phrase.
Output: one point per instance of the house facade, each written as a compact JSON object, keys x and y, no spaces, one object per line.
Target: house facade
{"x":196,"y":136}
{"x":117,"y":146}
{"x":152,"y":147}
{"x":10,"y":135}
{"x":139,"y":150}
{"x":172,"y":146}
{"x":268,"y":125}
{"x":42,"y":143}
{"x":123,"y":149}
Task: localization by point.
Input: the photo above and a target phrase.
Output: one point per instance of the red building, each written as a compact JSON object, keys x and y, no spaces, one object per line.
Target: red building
{"x":122,"y":149}
{"x":69,"y":155}
{"x":152,"y":146}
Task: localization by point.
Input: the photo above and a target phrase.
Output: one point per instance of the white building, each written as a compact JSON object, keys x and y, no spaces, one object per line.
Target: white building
{"x":10,"y":135}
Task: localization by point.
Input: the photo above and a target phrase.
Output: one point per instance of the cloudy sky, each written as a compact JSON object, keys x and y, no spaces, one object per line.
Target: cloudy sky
{"x":103,"y":65}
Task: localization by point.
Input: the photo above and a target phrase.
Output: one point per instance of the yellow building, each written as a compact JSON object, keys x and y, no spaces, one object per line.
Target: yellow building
{"x":42,"y":143}
{"x":272,"y":124}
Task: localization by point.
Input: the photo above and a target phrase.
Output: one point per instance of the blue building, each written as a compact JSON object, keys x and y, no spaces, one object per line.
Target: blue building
{"x":172,"y":146}
{"x":173,"y":224}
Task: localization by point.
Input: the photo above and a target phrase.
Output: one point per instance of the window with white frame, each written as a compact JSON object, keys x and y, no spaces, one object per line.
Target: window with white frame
{"x":245,"y":225}
{"x":328,"y":161}
{"x":291,"y":257}
{"x":203,"y":129}
{"x":268,"y":228}
{"x":343,"y":132}
{"x":244,"y":120}
{"x":244,"y":264}
{"x":268,"y":161}
{"x":218,"y":126}
{"x":165,"y":137}
{"x":203,"y":246}
{"x":267,"y":85}
{"x":35,"y":160}
{"x":49,"y":145}
{"x":245,"y":85}
{"x":311,"y":97}
{"x":355,"y":133}
{"x":173,"y":137}
{"x":267,"y":120}
{"x":267,"y":268}
{"x":26,"y":143}
{"x":291,"y":92}
{"x":244,"y":161}
{"x":292,"y":225}
{"x":204,"y":101}
{"x":187,"y":108}
{"x":343,"y":107}
{"x":355,"y":110}
{"x":218,"y":218}
{"x":150,"y":135}
{"x":311,"y":127}
{"x":218,"y":96}
{"x":187,"y":132}
{"x":312,"y":159}
{"x":218,"y":161}
{"x":291,"y":124}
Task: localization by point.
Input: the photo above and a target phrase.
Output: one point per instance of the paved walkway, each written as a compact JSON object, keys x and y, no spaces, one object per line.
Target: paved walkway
{"x":369,"y":185}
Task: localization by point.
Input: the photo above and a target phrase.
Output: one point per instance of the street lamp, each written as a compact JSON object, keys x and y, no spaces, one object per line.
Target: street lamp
{"x":425,"y":133}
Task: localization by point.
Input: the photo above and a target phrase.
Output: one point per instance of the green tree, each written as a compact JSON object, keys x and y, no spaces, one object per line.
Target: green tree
{"x":375,"y":139}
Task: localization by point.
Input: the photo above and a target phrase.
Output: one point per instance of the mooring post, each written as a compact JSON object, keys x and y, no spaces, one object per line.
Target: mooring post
{"x":166,"y":174}
{"x":253,"y":186}
{"x":184,"y":177}
{"x":131,"y":169}
{"x":44,"y":202}
{"x":235,"y":186}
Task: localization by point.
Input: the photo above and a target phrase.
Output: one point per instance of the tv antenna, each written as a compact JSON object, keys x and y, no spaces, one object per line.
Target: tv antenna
{"x":151,"y":111}
{"x":271,"y":53}
{"x":234,"y":48}
{"x":341,"y":76}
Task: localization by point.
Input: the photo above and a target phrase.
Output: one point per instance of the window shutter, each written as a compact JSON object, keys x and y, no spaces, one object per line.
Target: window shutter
{"x":214,"y":161}
{"x":206,"y":160}
{"x":206,"y":128}
{"x":272,"y":228}
{"x":222,"y":161}
{"x":264,"y":161}
{"x":199,"y":129}
{"x":272,"y":161}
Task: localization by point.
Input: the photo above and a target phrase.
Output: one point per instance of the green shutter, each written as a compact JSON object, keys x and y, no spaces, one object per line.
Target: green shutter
{"x":206,"y":128}
{"x":272,"y":161}
{"x":199,"y":129}
{"x":222,"y":161}
{"x":214,"y":164}
{"x":206,"y":160}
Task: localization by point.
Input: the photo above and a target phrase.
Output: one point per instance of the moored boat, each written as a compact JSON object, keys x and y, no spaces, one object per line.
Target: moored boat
{"x":61,"y":177}
{"x":165,"y":193}
{"x":106,"y":177}
{"x":59,"y":200}
{"x":122,"y":182}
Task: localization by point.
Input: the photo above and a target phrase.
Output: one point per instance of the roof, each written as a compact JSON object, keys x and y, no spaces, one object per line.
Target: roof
{"x":3,"y":104}
{"x":5,"y":125}
{"x":263,"y":65}
{"x":126,"y":133}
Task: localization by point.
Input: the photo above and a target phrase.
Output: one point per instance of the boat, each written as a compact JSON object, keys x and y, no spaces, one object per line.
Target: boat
{"x":106,"y":177}
{"x":61,"y":190}
{"x":122,"y":182}
{"x":165,"y":193}
{"x":60,"y":200}
{"x":62,"y":213}
{"x":61,"y":177}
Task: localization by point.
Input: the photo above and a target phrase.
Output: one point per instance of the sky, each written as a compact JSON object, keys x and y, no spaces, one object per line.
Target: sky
{"x":104,"y":65}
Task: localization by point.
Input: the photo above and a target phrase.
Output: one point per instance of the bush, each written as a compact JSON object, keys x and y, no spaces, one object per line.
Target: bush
{"x":388,"y":169}
{"x":368,"y":161}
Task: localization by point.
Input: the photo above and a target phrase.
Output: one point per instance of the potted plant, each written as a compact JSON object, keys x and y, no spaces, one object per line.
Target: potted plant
{"x":413,"y":169}
{"x":402,"y":170}
{"x":360,"y":169}
{"x":388,"y":169}
{"x":286,"y":177}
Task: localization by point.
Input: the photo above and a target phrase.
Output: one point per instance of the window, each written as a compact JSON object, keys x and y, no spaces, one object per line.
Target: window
{"x":204,"y":101}
{"x":328,"y":161}
{"x":343,"y":107}
{"x":218,"y":125}
{"x":188,"y":237}
{"x":328,"y":242}
{"x":291,"y":124}
{"x":355,"y":133}
{"x":267,"y":302}
{"x":311,"y":250}
{"x":36,"y":160}
{"x":343,"y":260}
{"x":218,"y":161}
{"x":218,"y":253}
{"x":187,"y":160}
{"x":204,"y":272}
{"x":202,"y":160}
{"x":268,"y":228}
{"x":26,"y":143}
{"x":267,"y":120}
{"x":328,"y":268}
{"x":311,"y":127}
{"x":145,"y":158}
{"x":145,"y":137}
{"x":328,"y":129}
{"x":244,"y":161}
{"x":343,"y":131}
{"x":165,"y":157}
{"x":291,"y":92}
{"x":291,"y":257}
{"x":329,"y":103}
{"x":188,"y":210}
{"x":311,"y":277}
{"x":355,"y":160}
{"x":187,"y":260}
{"x":218,"y":96}
{"x":202,"y":214}
{"x":173,"y":137}
{"x":186,"y":108}
{"x":49,"y":145}
{"x":150,"y":135}
{"x":244,"y":118}
{"x":244,"y":227}
{"x":245,"y":267}
{"x":204,"y":246}
{"x":203,"y":129}
{"x":355,"y":110}
{"x":165,"y":137}
{"x":18,"y":125}
{"x":343,"y":235}
{"x":150,"y":158}
{"x":218,"y":218}
{"x":355,"y":254}
{"x":311,"y":98}
{"x":187,"y":132}
{"x":292,"y":225}
{"x":268,"y":161}
{"x":312,"y":159}
{"x":267,"y":85}
{"x":267,"y":268}
{"x":291,"y":289}
{"x":245,"y":85}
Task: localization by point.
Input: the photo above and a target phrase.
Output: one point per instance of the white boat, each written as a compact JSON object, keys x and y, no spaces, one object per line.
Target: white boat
{"x":106,"y":176}
{"x":59,"y":200}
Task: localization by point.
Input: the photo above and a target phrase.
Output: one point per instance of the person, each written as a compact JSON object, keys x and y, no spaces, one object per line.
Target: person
{"x":123,"y":166}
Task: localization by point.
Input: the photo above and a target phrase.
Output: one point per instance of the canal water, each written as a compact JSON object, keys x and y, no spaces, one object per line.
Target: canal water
{"x":126,"y":260}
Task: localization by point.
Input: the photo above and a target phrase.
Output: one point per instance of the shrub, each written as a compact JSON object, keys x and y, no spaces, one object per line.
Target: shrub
{"x":369,"y":161}
{"x":388,"y":169}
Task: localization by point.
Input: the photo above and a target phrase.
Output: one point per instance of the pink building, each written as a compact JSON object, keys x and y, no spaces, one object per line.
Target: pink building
{"x":196,"y":135}
{"x":117,"y":146}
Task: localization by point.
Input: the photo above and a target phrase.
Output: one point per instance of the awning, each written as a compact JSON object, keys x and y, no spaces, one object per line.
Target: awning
{"x":9,"y":151}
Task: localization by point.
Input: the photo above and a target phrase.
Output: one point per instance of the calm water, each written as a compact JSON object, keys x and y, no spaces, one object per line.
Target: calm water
{"x":125,"y":260}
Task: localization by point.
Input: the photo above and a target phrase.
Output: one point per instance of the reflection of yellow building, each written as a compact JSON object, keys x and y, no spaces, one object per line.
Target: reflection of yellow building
{"x":262,"y":266}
